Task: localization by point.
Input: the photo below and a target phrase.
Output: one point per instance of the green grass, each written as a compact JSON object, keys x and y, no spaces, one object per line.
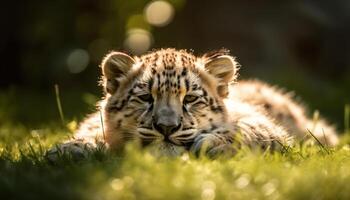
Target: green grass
{"x":298,"y":173}
{"x":303,"y":172}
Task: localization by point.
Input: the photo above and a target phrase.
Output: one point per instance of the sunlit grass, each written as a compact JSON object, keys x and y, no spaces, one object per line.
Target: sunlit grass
{"x":304,"y":172}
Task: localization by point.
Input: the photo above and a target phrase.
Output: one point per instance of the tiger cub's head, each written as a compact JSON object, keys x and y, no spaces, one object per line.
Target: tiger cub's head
{"x":167,"y":95}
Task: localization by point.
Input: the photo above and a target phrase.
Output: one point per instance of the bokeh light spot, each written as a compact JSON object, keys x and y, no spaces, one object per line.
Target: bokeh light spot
{"x":159,"y":13}
{"x":77,"y":61}
{"x":117,"y":184}
{"x":208,"y":190}
{"x":243,"y":181}
{"x":138,"y":41}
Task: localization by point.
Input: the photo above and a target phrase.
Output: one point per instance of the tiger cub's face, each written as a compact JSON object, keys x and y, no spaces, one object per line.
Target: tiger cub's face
{"x":167,"y":96}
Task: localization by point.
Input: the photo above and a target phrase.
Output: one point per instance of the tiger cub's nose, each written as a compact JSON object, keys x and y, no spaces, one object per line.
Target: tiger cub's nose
{"x":166,"y":129}
{"x":166,"y":121}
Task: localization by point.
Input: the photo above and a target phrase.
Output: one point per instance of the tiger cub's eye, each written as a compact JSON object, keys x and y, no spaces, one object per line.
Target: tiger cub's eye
{"x":146,"y":97}
{"x":190,"y":98}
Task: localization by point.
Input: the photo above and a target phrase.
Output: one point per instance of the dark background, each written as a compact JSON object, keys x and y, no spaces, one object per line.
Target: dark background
{"x":302,"y":46}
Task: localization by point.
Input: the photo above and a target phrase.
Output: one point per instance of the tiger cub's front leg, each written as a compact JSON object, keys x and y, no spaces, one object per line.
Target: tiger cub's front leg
{"x":214,"y":142}
{"x":77,"y":149}
{"x":225,"y":140}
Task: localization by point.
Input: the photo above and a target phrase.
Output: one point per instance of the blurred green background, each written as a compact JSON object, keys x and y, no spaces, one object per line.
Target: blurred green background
{"x":302,"y":46}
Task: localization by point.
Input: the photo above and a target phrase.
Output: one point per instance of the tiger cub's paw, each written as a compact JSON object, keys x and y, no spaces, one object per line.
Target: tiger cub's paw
{"x":212,"y":145}
{"x":75,"y":150}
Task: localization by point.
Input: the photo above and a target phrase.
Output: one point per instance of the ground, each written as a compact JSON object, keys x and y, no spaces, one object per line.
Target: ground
{"x":311,"y":172}
{"x":303,"y":172}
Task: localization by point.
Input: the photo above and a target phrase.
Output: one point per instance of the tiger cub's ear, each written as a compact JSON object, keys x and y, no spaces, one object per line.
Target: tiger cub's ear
{"x":114,"y":66}
{"x":224,"y":68}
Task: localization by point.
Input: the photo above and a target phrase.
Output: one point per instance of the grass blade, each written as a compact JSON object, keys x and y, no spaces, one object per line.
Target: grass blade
{"x":347,"y":118}
{"x":102,"y":126}
{"x":318,"y":141}
{"x":59,"y":105}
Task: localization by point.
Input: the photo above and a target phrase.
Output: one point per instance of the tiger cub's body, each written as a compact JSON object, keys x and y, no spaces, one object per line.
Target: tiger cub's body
{"x":177,"y":101}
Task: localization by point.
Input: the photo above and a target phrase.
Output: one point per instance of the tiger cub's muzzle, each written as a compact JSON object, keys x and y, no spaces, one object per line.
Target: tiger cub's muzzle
{"x":166,"y":121}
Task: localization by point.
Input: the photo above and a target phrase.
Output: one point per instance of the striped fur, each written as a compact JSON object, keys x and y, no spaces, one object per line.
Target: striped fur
{"x":202,"y":94}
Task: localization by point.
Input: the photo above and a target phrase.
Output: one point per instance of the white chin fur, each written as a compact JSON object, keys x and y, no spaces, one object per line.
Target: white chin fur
{"x":162,"y":148}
